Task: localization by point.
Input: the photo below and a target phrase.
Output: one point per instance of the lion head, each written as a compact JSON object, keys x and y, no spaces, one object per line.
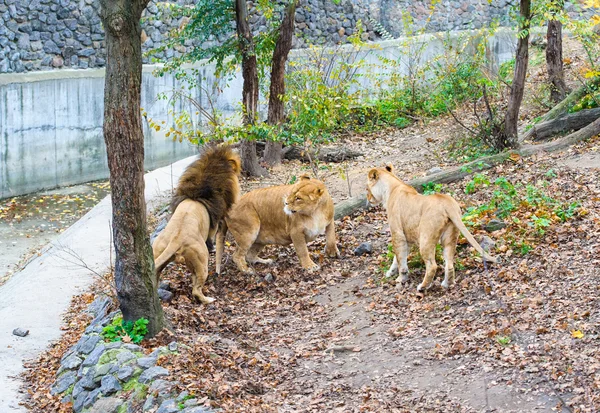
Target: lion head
{"x":375,"y":188}
{"x":304,"y":197}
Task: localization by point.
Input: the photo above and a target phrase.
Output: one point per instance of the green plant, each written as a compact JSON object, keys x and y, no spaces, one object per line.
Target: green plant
{"x":478,"y":180}
{"x":503,"y":340}
{"x":431,"y":188}
{"x":118,"y":330}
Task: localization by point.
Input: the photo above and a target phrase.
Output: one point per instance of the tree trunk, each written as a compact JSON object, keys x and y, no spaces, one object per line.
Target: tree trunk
{"x":277,"y":91}
{"x":569,"y":122}
{"x":250,"y":164}
{"x":554,"y":61}
{"x":518,"y":84}
{"x":135,"y":278}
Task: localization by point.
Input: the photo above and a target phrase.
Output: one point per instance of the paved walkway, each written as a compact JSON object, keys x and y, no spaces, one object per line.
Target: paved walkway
{"x":36,"y":297}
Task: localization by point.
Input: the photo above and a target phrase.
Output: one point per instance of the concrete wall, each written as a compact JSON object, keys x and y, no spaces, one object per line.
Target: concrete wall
{"x":51,"y":122}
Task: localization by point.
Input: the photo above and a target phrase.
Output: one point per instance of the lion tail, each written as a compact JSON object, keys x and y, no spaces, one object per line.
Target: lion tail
{"x":454,"y":215}
{"x":166,"y":256}
{"x":221,"y":234}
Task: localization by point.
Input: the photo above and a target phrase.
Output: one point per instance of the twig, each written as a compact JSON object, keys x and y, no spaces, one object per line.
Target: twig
{"x":462,"y":124}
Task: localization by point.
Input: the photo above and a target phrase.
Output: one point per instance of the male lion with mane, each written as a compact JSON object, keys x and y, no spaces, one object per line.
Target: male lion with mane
{"x":418,"y":219}
{"x":205,"y":193}
{"x":280,"y":215}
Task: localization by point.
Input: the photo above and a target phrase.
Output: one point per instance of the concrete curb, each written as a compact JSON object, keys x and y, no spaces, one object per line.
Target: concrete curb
{"x":36,"y":297}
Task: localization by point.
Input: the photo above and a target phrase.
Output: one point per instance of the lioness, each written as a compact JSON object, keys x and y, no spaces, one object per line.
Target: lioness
{"x":280,"y":215}
{"x":204,"y":195}
{"x":419,"y":219}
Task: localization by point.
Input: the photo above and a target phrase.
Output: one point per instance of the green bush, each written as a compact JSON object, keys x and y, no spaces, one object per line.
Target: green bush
{"x":118,"y":329}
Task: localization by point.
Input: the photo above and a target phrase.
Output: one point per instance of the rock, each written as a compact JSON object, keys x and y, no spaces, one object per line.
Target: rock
{"x":63,"y":382}
{"x":494,"y":225}
{"x":87,"y":382}
{"x":20,"y":332}
{"x":72,"y":362}
{"x":125,"y":373}
{"x":94,"y":356}
{"x":107,"y":405}
{"x":77,"y":390}
{"x":164,"y":285}
{"x":172,"y":346}
{"x":182,"y":396}
{"x":91,"y":399}
{"x":163,"y":389}
{"x":114,"y":345}
{"x":102,"y":371}
{"x":86,"y":344}
{"x":487,"y":243}
{"x":165,"y":295}
{"x":152,"y":373}
{"x":434,"y":170}
{"x":190,"y":402}
{"x":110,"y":385}
{"x":149,"y":403}
{"x":196,"y":409}
{"x":364,"y":248}
{"x":132,"y":347}
{"x":269,"y":278}
{"x":146,"y":362}
{"x":159,"y":228}
{"x":79,"y":400}
{"x":168,"y":406}
{"x":124,"y":357}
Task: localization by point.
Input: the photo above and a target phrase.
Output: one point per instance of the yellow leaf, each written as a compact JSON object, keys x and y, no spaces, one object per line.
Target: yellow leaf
{"x":592,"y":3}
{"x":596,"y":19}
{"x":576,"y":334}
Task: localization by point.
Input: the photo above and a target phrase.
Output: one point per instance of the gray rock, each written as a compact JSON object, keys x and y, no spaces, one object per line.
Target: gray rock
{"x":91,"y":398}
{"x":165,"y":295}
{"x":159,"y":228}
{"x":124,"y":357}
{"x":107,"y":405}
{"x":162,"y":388}
{"x":434,"y":170}
{"x":364,"y":248}
{"x":87,"y":382}
{"x":196,"y":409}
{"x":164,"y":285}
{"x":77,"y":390}
{"x":168,"y":406}
{"x":94,"y":356}
{"x":487,"y":243}
{"x":110,"y":385}
{"x":153,"y":373}
{"x":63,"y":382}
{"x":99,"y":306}
{"x":190,"y":402}
{"x":113,"y":345}
{"x":146,"y":362}
{"x":172,"y":346}
{"x":72,"y":362}
{"x":149,"y":403}
{"x":20,"y":332}
{"x":79,"y":401}
{"x":125,"y":373}
{"x":132,"y":347}
{"x":86,"y":344}
{"x":494,"y":225}
{"x":102,"y":371}
{"x":269,"y":278}
{"x":182,"y":396}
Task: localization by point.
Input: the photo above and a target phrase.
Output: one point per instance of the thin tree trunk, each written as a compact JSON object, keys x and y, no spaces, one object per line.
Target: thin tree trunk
{"x":277,"y":90}
{"x":554,"y":61}
{"x":518,"y":84}
{"x":250,"y":164}
{"x":135,"y":278}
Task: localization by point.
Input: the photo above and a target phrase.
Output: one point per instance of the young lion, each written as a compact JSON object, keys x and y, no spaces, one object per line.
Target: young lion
{"x":205,"y":193}
{"x":419,"y":219}
{"x":280,"y":215}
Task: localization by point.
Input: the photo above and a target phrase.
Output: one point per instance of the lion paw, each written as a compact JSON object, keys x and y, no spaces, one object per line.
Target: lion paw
{"x":332,"y":252}
{"x":422,"y":287}
{"x":447,"y":284}
{"x":312,"y":267}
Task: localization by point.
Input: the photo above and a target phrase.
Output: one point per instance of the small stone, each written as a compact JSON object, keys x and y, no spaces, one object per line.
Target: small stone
{"x":124,"y":357}
{"x":114,"y":345}
{"x":494,"y":225}
{"x":148,"y":404}
{"x":269,"y":278}
{"x":110,"y":385}
{"x":91,"y":399}
{"x":153,"y":373}
{"x":146,"y":362}
{"x":106,"y":405}
{"x":71,"y":362}
{"x":434,"y":170}
{"x":164,"y":285}
{"x":165,"y":295}
{"x":21,"y":332}
{"x":132,"y":347}
{"x":125,"y":373}
{"x":86,"y":344}
{"x":77,"y":390}
{"x":190,"y":403}
{"x":99,"y":306}
{"x":168,"y":406}
{"x":364,"y":248}
{"x":94,"y":356}
{"x":63,"y":382}
{"x":172,"y":346}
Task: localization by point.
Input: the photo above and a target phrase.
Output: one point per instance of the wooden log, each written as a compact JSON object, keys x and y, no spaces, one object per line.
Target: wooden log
{"x":569,"y":122}
{"x":359,"y":202}
{"x":334,"y":154}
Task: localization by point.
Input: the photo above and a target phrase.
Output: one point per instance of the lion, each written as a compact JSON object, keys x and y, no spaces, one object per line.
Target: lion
{"x":205,"y":193}
{"x":280,"y":215}
{"x":418,"y":219}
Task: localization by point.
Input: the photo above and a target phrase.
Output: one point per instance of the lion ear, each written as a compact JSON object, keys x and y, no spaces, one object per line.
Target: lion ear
{"x":236,"y":165}
{"x":374,"y":174}
{"x":319,"y":191}
{"x":389,"y":167}
{"x":305,"y":177}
